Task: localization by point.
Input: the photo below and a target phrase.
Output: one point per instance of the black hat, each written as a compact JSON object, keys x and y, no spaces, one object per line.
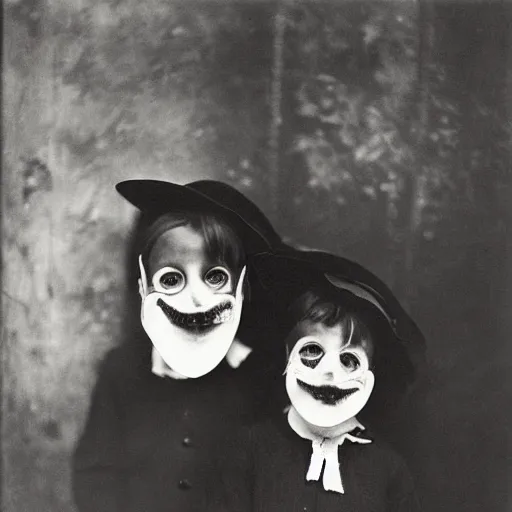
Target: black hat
{"x":155,"y":198}
{"x":289,"y":273}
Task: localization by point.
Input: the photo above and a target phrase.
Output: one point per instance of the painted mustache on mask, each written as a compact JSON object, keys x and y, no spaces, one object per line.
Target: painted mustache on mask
{"x":200,"y":321}
{"x":328,"y":395}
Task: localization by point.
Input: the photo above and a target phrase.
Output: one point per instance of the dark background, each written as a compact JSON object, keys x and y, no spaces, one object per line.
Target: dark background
{"x":377,"y":130}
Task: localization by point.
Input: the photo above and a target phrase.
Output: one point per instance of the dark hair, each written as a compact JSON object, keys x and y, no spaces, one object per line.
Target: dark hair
{"x":330,"y":311}
{"x":222,"y":242}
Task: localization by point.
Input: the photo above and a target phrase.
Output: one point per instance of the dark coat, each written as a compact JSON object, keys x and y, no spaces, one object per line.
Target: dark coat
{"x":149,"y":441}
{"x":266,"y":473}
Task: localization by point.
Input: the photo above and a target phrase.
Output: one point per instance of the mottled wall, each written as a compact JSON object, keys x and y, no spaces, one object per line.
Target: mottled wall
{"x":99,"y":91}
{"x":68,"y":140}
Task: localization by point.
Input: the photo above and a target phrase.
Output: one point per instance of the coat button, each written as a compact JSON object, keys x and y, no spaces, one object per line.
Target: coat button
{"x":184,"y":484}
{"x":187,"y":442}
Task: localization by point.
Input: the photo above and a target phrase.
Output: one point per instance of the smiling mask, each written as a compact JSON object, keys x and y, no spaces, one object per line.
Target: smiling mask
{"x":327,"y":382}
{"x":191,"y":339}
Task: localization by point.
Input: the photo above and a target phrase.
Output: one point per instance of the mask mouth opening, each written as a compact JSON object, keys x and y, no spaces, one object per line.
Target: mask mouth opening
{"x":328,"y":395}
{"x":200,"y":322}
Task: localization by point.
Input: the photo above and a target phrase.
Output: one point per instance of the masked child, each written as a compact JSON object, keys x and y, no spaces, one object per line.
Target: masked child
{"x":348,"y":341}
{"x":163,"y":402}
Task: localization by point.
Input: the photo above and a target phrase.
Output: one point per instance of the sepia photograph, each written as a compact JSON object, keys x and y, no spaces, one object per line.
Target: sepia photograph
{"x":256,"y":256}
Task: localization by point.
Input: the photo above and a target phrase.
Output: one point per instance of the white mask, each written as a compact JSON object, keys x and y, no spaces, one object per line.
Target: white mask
{"x":192,"y":340}
{"x":327,"y":382}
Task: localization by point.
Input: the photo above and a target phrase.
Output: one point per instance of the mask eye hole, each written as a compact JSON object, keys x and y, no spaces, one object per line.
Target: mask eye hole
{"x":310,"y":354}
{"x":217,"y":277}
{"x":168,"y":280}
{"x":350,"y":361}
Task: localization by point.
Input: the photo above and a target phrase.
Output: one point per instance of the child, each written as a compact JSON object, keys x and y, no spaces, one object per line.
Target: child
{"x":345,"y":342}
{"x":161,"y":405}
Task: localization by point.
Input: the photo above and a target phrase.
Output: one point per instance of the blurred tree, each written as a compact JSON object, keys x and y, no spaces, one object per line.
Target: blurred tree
{"x":349,"y":124}
{"x":372,"y":126}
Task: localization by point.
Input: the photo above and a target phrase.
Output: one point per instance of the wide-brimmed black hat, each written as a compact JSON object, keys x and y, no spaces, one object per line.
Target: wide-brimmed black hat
{"x":289,"y":273}
{"x":155,"y":198}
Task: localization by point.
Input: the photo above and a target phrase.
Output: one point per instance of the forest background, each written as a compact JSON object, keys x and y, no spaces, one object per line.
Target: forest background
{"x":380,"y":130}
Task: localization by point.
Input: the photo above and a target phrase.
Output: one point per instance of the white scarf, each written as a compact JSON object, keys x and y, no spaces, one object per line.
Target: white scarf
{"x":325,"y":449}
{"x":236,"y":355}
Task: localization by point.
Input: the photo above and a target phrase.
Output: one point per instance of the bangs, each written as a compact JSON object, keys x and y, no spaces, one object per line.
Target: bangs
{"x":310,"y":307}
{"x":317,"y":308}
{"x":222,"y":244}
